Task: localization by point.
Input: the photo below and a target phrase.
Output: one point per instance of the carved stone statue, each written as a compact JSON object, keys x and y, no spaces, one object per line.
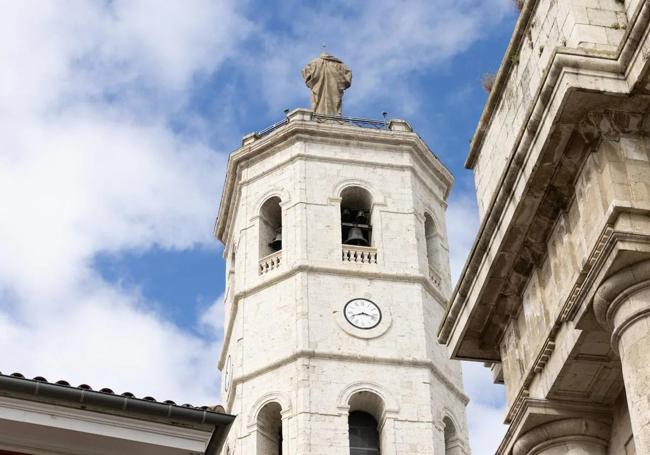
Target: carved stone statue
{"x":327,"y":77}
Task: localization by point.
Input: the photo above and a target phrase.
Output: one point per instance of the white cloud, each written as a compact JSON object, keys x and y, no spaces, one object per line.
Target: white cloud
{"x":486,"y":410}
{"x":462,"y":226}
{"x":89,"y":164}
{"x":384,"y":43}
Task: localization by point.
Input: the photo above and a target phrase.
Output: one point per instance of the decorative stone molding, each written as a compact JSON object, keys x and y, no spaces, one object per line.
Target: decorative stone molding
{"x":579,"y":431}
{"x":389,"y":404}
{"x":611,"y":295}
{"x":610,"y":124}
{"x":272,"y":397}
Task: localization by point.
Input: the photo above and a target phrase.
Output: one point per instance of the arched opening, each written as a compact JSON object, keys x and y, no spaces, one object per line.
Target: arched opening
{"x":431,"y":241}
{"x":366,"y":411}
{"x":364,"y":435}
{"x":450,"y":436}
{"x":356,"y":216}
{"x":269,"y":430}
{"x":270,"y":227}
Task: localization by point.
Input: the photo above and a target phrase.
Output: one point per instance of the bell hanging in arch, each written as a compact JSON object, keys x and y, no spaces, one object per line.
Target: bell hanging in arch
{"x":361,"y":217}
{"x":276,"y":244}
{"x":356,"y":237}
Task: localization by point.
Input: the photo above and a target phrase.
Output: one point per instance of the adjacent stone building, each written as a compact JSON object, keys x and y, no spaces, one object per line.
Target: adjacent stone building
{"x":337,"y":279}
{"x":555,"y":295}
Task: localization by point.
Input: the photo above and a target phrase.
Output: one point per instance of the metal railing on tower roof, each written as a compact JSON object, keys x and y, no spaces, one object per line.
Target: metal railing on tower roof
{"x":322,"y":118}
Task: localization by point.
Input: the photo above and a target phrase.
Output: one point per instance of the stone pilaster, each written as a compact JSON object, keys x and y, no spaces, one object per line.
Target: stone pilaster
{"x":622,"y":305}
{"x":577,"y":436}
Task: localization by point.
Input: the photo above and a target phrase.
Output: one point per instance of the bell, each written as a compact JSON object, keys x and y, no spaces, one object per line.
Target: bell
{"x":361,"y":217}
{"x":355,"y":237}
{"x":276,"y":244}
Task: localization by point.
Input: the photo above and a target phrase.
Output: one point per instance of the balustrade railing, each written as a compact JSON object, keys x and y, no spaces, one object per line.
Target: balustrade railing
{"x":270,"y":262}
{"x":359,"y":254}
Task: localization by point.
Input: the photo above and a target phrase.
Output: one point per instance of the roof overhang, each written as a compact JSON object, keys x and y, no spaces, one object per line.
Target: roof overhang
{"x":36,"y":414}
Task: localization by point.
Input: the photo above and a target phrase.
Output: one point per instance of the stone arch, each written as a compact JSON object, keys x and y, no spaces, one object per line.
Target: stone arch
{"x":389,"y":403}
{"x":277,"y":397}
{"x":280,"y":193}
{"x":338,"y":189}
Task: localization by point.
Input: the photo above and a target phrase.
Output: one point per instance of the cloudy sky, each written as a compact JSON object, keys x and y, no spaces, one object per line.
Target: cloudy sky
{"x":116,"y":119}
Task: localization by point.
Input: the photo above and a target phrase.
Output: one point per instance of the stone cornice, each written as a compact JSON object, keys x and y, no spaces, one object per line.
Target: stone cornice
{"x":338,"y":357}
{"x":326,"y":133}
{"x":619,"y":66}
{"x":563,"y":57}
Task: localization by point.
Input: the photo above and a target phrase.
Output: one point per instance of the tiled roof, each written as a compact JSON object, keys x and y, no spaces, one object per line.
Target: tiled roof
{"x":61,"y":393}
{"x":63,"y":383}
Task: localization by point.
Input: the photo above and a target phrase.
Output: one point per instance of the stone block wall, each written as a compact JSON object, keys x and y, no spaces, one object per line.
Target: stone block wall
{"x":616,"y":175}
{"x":592,"y":26}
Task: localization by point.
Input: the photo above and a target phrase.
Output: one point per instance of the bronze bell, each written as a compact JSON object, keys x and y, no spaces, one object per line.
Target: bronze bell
{"x":355,"y":237}
{"x":361,"y":217}
{"x":276,"y":244}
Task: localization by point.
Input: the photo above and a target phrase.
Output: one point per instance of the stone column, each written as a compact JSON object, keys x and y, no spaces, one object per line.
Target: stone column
{"x":576,"y":436}
{"x":622,"y":305}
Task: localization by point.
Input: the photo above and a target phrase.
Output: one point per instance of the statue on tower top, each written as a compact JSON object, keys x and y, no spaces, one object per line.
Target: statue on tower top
{"x":327,"y":77}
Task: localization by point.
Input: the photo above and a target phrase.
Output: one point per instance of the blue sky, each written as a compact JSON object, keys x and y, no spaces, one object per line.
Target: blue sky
{"x":117,"y":118}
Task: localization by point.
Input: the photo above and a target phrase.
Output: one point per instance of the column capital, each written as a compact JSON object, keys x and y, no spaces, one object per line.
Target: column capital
{"x":612,"y":295}
{"x":575,"y":432}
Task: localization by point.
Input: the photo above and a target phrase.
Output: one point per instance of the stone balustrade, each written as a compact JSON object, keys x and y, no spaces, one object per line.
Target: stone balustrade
{"x":359,"y":254}
{"x":270,"y":262}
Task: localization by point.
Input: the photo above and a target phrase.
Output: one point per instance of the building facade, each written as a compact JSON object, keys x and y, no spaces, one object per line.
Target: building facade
{"x":337,"y":276}
{"x":555,"y":295}
{"x":38,"y":417}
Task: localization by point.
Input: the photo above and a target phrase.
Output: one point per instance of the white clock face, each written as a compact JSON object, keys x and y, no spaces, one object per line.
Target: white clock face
{"x":362,"y":313}
{"x":227,"y":374}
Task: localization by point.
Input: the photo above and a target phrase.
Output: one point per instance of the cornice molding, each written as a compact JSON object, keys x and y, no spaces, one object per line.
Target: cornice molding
{"x":314,"y":354}
{"x":585,"y":59}
{"x":618,"y":66}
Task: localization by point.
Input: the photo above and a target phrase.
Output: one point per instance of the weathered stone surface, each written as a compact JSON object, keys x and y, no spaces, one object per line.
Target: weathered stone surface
{"x":561,"y":160}
{"x":284,"y":329}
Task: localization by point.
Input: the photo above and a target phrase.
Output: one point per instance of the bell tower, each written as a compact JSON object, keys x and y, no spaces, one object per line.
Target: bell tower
{"x":337,"y":278}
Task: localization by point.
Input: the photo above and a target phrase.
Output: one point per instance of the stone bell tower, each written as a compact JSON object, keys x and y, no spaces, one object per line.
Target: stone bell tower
{"x":337,"y":278}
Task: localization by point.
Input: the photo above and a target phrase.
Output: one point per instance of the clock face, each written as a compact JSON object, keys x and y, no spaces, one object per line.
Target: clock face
{"x":227,"y":374}
{"x":362,"y":313}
